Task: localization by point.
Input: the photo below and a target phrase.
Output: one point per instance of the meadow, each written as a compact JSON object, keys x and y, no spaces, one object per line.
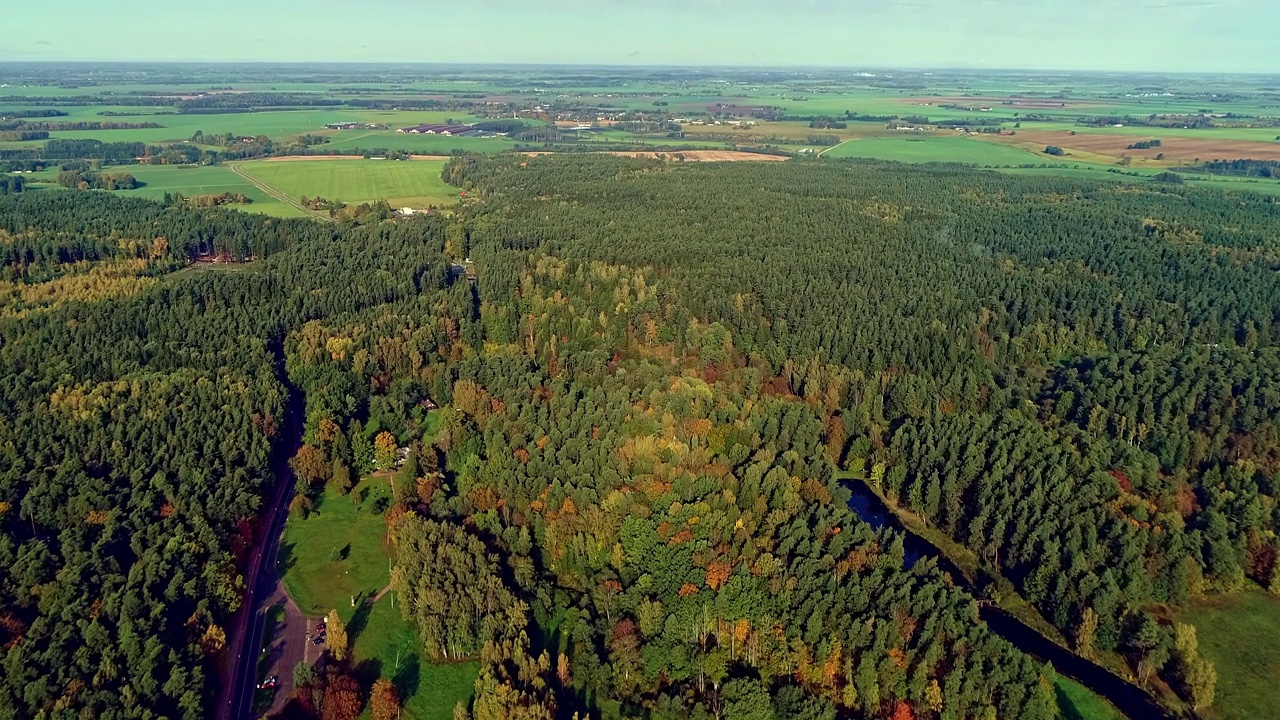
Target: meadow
{"x":1241,"y":635}
{"x":933,"y":147}
{"x":414,"y":183}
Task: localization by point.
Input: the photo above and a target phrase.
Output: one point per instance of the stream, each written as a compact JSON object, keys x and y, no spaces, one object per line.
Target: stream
{"x":1127,"y":697}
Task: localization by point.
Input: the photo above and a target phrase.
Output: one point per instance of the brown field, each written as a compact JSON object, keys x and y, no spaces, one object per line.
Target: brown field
{"x":688,"y":155}
{"x":300,"y":158}
{"x":1175,"y":149}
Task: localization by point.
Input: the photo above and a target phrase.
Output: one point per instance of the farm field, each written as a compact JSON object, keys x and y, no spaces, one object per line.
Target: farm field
{"x":203,"y":180}
{"x":277,"y":125}
{"x":1085,"y":171}
{"x":415,"y":183}
{"x":932,"y":147}
{"x":1241,"y":635}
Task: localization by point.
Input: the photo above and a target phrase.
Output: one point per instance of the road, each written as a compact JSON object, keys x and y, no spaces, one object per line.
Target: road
{"x":238,"y":679}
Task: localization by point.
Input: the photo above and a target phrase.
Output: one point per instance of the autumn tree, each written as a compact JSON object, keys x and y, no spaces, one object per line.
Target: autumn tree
{"x":386,"y":450}
{"x":311,"y":465}
{"x":384,"y":701}
{"x":341,"y":697}
{"x":335,"y":636}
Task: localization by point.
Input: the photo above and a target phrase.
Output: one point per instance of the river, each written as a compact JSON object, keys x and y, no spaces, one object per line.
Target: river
{"x":1127,"y":697}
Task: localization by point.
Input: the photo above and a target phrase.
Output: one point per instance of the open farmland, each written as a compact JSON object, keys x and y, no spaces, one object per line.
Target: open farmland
{"x":193,"y":180}
{"x":933,"y":147}
{"x":415,"y":183}
{"x":1176,"y":149}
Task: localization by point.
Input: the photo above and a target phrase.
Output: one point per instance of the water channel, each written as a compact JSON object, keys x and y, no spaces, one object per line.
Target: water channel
{"x":1127,"y":697}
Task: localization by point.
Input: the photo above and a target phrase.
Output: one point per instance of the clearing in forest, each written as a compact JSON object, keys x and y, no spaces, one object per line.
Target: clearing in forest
{"x":415,"y":183}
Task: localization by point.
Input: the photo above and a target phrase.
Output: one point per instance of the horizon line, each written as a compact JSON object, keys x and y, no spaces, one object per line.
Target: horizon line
{"x":639,"y":66}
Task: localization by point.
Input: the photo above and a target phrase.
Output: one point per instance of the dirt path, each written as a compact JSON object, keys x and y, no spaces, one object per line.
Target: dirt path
{"x":833,"y":147}
{"x":374,"y":600}
{"x":235,"y":168}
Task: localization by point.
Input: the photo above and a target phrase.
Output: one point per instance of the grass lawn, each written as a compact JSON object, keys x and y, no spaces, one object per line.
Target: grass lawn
{"x":405,"y":182}
{"x":387,"y":646}
{"x":1075,"y":702}
{"x":1241,"y":635}
{"x":927,"y":147}
{"x":317,"y":583}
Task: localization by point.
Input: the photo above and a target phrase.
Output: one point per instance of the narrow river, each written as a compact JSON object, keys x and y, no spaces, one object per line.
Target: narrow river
{"x":1127,"y":697}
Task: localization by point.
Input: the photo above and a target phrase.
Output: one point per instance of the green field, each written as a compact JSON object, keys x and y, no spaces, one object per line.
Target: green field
{"x":387,"y":646}
{"x":203,"y":180}
{"x":317,"y":583}
{"x":1241,"y":635}
{"x":928,"y":147}
{"x":415,"y":183}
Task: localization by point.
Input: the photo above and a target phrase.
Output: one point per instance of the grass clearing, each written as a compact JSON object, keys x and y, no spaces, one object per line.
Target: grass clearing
{"x":353,"y":526}
{"x":1241,"y":635}
{"x":387,"y":646}
{"x":402,"y":182}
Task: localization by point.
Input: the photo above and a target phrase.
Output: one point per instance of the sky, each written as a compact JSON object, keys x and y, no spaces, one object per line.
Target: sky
{"x":1144,"y":35}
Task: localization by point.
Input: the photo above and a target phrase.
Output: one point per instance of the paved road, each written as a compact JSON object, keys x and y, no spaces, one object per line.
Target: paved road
{"x":239,"y":675}
{"x":289,"y":646}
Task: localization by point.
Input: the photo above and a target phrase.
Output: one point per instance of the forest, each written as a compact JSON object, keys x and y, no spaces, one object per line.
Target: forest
{"x":652,"y":393}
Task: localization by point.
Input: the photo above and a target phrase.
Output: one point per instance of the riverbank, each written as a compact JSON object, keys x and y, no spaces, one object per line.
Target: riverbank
{"x":1006,"y":612}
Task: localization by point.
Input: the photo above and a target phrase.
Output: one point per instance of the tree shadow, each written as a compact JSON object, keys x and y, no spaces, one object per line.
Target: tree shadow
{"x":1066,"y":707}
{"x":407,"y":677}
{"x":359,"y":621}
{"x":368,"y":671}
{"x":286,"y":557}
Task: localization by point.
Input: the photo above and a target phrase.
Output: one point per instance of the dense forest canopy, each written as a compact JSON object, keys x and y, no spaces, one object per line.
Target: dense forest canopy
{"x":651,"y":391}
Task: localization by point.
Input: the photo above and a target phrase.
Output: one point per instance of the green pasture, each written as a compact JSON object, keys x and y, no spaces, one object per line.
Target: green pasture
{"x":202,"y":180}
{"x":403,"y":182}
{"x":1241,"y":635}
{"x":931,"y":147}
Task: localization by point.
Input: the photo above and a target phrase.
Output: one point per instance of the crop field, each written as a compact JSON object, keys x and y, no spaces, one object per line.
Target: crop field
{"x":932,"y":147}
{"x":1241,"y":635}
{"x":196,"y":180}
{"x":415,"y":183}
{"x":1180,"y":149}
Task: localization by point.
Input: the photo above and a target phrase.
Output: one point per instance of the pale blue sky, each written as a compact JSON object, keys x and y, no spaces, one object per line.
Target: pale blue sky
{"x":1162,"y":35}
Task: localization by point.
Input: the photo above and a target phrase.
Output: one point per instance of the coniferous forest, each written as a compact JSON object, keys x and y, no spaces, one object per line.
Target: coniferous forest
{"x":655,"y":378}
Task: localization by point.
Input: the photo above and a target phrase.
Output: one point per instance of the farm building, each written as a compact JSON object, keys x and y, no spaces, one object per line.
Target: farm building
{"x":438,"y":129}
